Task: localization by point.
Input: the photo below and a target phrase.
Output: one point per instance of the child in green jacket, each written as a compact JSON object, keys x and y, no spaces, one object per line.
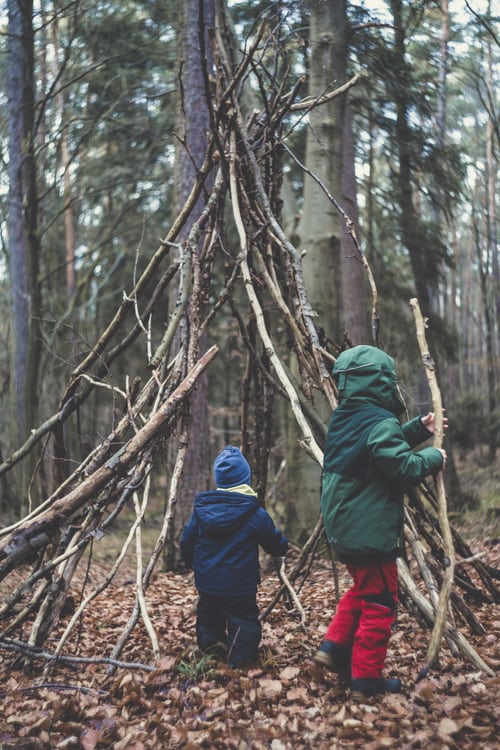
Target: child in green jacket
{"x":368,"y":465}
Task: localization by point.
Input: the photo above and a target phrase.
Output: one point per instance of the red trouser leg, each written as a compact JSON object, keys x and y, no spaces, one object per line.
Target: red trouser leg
{"x":345,"y":621}
{"x":377,"y":590}
{"x":364,"y":617}
{"x":371,"y":641}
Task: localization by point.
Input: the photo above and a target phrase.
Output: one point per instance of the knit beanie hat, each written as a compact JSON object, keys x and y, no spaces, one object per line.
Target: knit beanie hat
{"x":231,"y":468}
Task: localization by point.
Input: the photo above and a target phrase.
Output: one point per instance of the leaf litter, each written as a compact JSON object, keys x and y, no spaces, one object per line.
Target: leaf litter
{"x":285,"y":702}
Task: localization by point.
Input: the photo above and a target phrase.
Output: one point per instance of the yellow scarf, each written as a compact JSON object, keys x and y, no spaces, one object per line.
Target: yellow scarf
{"x":243,"y":489}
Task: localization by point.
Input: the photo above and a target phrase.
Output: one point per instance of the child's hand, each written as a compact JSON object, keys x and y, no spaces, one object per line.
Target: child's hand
{"x":429,"y":421}
{"x":443,"y":453}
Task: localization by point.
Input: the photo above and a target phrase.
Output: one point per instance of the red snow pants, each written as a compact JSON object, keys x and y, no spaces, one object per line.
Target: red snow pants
{"x":364,"y":617}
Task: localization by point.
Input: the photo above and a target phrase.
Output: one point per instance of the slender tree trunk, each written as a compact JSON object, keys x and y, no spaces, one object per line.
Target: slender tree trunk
{"x":491,"y":167}
{"x":22,"y":225}
{"x":370,"y":214}
{"x":65,"y":294}
{"x":320,"y":230}
{"x":468,"y":316}
{"x":196,"y":57}
{"x":441,"y":125}
{"x":355,"y":313}
{"x":409,"y":214}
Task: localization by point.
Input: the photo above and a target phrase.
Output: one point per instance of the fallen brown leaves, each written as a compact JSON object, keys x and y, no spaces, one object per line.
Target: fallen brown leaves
{"x":283,"y":703}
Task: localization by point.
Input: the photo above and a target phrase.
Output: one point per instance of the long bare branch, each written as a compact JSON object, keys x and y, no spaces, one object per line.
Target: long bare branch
{"x":311,"y":103}
{"x":449,"y":549}
{"x":308,"y":437}
{"x":28,"y":539}
{"x":452,"y":635}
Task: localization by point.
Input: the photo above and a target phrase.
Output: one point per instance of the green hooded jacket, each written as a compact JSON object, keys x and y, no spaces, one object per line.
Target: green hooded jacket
{"x":368,"y":460}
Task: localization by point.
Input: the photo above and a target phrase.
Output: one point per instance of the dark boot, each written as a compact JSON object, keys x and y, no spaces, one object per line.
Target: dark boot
{"x":334,"y":657}
{"x":375,"y":686}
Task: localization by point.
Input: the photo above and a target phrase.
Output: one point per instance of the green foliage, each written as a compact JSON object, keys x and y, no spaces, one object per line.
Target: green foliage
{"x":396,"y":108}
{"x":107,"y":87}
{"x":195,"y":667}
{"x":116,"y":110}
{"x":468,"y":421}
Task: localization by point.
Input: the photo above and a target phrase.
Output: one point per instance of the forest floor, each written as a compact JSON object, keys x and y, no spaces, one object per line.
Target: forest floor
{"x":285,"y":702}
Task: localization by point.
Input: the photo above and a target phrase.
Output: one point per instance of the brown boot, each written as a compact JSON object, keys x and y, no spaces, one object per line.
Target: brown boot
{"x":334,"y":657}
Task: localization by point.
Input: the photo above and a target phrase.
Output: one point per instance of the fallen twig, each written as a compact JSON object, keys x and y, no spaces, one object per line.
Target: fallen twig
{"x":36,"y":653}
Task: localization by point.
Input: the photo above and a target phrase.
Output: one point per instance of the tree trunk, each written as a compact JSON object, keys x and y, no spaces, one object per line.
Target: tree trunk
{"x":320,"y":229}
{"x":22,"y":227}
{"x":196,"y":55}
{"x":409,"y":214}
{"x":355,"y":314}
{"x":491,"y":168}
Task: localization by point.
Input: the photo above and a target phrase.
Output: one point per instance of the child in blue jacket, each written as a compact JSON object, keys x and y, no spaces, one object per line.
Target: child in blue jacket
{"x":221,"y":544}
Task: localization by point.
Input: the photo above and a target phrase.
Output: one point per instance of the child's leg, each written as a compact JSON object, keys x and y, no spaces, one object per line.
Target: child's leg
{"x":210,"y":622}
{"x":377,"y":588}
{"x":345,"y":620}
{"x":244,"y":630}
{"x":335,"y":651}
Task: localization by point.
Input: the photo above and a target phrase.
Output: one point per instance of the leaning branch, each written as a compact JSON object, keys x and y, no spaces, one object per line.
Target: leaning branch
{"x":36,"y":435}
{"x":448,"y":547}
{"x":27,"y":540}
{"x":128,"y":301}
{"x":452,"y":635}
{"x":293,"y":398}
{"x":311,"y":103}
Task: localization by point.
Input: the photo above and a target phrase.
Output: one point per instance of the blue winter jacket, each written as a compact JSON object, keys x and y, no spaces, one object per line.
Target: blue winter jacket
{"x":221,"y":542}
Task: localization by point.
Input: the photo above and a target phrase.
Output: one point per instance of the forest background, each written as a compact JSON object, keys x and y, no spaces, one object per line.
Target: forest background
{"x":201,"y":204}
{"x":200,"y":209}
{"x":95,"y":142}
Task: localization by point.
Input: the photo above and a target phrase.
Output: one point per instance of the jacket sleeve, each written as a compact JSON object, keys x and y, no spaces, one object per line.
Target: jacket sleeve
{"x":269,"y":537}
{"x":415,"y":432}
{"x":394,"y":457}
{"x":188,"y":538}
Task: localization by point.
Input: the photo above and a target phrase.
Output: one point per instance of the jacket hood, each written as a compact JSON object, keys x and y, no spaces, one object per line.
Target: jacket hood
{"x":220,"y":512}
{"x":368,"y":373}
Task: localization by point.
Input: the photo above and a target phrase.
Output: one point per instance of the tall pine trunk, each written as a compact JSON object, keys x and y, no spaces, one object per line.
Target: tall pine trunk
{"x":319,"y":230}
{"x":355,"y":313}
{"x":493,"y":334}
{"x":22,"y":230}
{"x":195,"y":56}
